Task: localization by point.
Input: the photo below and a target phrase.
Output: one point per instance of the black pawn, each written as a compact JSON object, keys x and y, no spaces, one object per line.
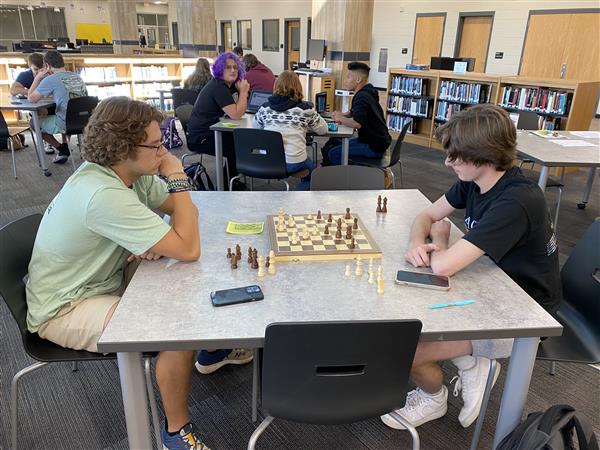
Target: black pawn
{"x":384,"y":209}
{"x":319,"y":215}
{"x":348,"y":216}
{"x":234,"y":260}
{"x":355,"y":224}
{"x":268,"y":262}
{"x":229,"y":252}
{"x":326,"y":229}
{"x":378,"y":204}
{"x":338,"y":234}
{"x":249,"y":255}
{"x":352,"y":244}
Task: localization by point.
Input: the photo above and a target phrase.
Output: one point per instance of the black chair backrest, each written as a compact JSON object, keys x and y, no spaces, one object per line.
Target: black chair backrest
{"x":528,"y":120}
{"x":259,"y":153}
{"x":16,"y":245}
{"x":182,"y":96}
{"x":79,"y":110}
{"x":3,"y":127}
{"x":337,"y":372}
{"x":345,"y":178}
{"x":395,"y":156}
{"x":580,"y":276}
{"x":184,"y":114}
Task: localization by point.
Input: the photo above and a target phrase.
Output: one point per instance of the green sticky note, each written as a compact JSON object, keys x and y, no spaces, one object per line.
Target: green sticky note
{"x":245,"y":228}
{"x":230,"y":124}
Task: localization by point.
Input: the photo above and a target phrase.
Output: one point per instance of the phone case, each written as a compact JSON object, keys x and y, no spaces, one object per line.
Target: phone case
{"x":426,"y":286}
{"x":237,"y":295}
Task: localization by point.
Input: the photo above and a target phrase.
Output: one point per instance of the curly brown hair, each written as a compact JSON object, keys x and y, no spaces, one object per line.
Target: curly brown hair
{"x":482,"y":135}
{"x":288,"y":85}
{"x":116,"y":127}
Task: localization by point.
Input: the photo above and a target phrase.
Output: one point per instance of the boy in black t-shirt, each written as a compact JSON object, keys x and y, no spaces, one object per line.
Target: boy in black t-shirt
{"x":506,"y":218}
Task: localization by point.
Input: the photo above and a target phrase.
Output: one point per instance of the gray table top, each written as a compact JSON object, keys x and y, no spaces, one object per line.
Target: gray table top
{"x":246,"y":122}
{"x":167,"y":304}
{"x":548,"y":153}
{"x":8,"y":102}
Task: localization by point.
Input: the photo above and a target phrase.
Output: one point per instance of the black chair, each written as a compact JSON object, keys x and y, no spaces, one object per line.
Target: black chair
{"x":336,"y":372}
{"x":260,"y":154}
{"x":8,"y":133}
{"x":182,"y":96}
{"x":386,"y":163}
{"x":344,"y":178}
{"x":528,"y":120}
{"x":16,"y":244}
{"x":79,"y":110}
{"x":579,"y":310}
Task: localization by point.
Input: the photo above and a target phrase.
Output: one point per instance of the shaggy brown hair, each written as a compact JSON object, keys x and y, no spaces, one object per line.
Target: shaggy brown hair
{"x":116,"y":127}
{"x":288,"y":85}
{"x":481,"y":135}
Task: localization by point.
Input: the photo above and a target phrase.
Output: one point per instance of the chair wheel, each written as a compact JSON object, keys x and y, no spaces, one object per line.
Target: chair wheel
{"x":581,"y":205}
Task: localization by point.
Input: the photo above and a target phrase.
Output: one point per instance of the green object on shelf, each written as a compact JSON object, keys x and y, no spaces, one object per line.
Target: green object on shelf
{"x":245,"y":228}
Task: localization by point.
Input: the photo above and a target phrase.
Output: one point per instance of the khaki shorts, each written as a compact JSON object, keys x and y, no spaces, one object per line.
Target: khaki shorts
{"x":79,"y":324}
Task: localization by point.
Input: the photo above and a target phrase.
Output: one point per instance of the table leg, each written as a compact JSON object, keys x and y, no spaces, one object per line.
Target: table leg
{"x":255,"y":383}
{"x":39,"y":143}
{"x":161,"y":101}
{"x":307,"y":88}
{"x":345,"y":150}
{"x":219,"y":160}
{"x":543,"y":177}
{"x":516,"y":386}
{"x":588,"y":188}
{"x":133,"y":390}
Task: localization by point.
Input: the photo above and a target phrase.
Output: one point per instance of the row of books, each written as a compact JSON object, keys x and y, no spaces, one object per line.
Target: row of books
{"x":168,"y":103}
{"x":537,"y":99}
{"x":408,"y":85}
{"x":408,"y":105}
{"x":95,"y":74}
{"x":395,"y":123}
{"x":464,"y":92}
{"x":103,"y":92}
{"x":149,"y":89}
{"x":150,"y":72}
{"x":445,"y":110}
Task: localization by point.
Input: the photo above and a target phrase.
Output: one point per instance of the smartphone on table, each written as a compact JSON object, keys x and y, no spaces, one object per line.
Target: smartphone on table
{"x":236,"y":295}
{"x":424,"y":280}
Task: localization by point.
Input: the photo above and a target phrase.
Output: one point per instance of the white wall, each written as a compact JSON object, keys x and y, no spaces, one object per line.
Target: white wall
{"x":257,"y":10}
{"x":394,"y":27}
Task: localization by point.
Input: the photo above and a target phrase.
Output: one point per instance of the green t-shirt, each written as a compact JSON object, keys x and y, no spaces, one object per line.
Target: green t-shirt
{"x":87,"y":232}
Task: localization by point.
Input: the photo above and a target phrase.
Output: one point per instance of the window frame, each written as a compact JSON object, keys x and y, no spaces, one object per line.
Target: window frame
{"x":264,"y":47}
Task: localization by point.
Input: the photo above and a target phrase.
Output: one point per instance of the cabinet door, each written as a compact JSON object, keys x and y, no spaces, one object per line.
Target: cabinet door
{"x":429,"y":32}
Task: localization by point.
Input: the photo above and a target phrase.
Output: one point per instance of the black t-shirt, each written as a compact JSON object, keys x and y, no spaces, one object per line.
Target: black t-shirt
{"x":511,"y":224}
{"x":208,"y":108}
{"x":367,"y":111}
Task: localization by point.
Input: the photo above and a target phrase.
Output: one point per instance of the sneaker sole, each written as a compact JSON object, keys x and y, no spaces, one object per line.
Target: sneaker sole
{"x":469,"y":420}
{"x":60,"y":160}
{"x":393,"y":423}
{"x":205,"y":370}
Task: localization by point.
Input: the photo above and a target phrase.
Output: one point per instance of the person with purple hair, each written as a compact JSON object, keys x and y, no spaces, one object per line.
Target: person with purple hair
{"x":226,"y":93}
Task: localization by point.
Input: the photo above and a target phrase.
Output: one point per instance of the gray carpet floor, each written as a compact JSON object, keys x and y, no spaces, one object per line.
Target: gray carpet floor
{"x":61,"y":409}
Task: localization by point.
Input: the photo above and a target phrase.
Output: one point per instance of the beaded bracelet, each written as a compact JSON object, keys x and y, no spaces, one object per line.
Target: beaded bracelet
{"x":177,"y":190}
{"x":178,"y":185}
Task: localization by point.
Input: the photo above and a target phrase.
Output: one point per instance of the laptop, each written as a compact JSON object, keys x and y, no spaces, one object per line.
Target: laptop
{"x":257,"y":99}
{"x":321,"y":104}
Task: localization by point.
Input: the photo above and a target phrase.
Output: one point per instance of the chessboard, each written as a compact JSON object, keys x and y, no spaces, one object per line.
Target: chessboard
{"x":318,"y":246}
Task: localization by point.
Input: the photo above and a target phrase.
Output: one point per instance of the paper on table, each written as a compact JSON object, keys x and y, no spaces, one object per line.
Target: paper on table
{"x":245,"y":228}
{"x":571,"y":143}
{"x":230,"y":124}
{"x":587,"y":134}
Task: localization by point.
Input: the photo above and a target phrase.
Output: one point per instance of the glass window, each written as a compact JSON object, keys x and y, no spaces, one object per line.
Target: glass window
{"x":244,"y":28}
{"x":49,"y":23}
{"x":271,"y":35}
{"x":10,"y":25}
{"x":163,"y":20}
{"x":163,"y":35}
{"x":295,"y":39}
{"x":27,"y":21}
{"x":146,"y":19}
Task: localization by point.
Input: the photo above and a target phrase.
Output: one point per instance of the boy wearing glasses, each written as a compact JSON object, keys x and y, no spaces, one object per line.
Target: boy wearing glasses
{"x":98,"y":226}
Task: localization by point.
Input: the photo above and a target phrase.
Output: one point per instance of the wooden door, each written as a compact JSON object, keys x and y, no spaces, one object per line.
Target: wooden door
{"x":292,"y":33}
{"x":226,"y":36}
{"x":474,"y":39}
{"x":565,"y":39}
{"x":429,"y":32}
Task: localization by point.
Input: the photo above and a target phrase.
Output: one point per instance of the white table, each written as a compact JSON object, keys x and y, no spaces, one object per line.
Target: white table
{"x":167,"y":305}
{"x":308,"y":74}
{"x":549,"y":154}
{"x":343,"y":132}
{"x":8,"y":103}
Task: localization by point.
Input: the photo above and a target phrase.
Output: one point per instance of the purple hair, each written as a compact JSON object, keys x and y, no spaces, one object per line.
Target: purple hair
{"x":221,"y":62}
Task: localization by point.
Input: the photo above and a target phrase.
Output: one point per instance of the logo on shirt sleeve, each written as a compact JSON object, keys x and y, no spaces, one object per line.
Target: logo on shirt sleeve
{"x":470,"y":223}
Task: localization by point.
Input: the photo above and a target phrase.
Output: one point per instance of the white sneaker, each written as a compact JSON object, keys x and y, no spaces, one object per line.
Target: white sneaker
{"x":472,"y":383}
{"x":420,"y":408}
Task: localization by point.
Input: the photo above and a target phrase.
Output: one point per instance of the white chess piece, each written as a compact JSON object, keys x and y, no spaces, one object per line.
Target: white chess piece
{"x":359,"y":267}
{"x":305,"y":233}
{"x":261,"y":266}
{"x":309,"y":216}
{"x":371,"y":277}
{"x":294,"y":238}
{"x":314,"y":230}
{"x":272,"y":269}
{"x":348,"y":272}
{"x":280,"y":212}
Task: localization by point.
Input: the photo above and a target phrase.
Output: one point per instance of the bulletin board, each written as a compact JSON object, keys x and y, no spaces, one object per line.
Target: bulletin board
{"x":94,"y":32}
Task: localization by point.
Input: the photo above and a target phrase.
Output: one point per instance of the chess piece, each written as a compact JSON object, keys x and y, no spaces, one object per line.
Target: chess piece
{"x":309,"y":216}
{"x":294,"y":238}
{"x":261,"y":266}
{"x":305,"y":235}
{"x":355,"y":226}
{"x":238,"y":251}
{"x":371,"y":277}
{"x":384,"y":209}
{"x":229,"y":254}
{"x":250,"y":255}
{"x":349,"y":232}
{"x":380,"y":286}
{"x":234,"y":260}
{"x":313,"y":230}
{"x":271,"y":269}
{"x":254,"y":259}
{"x":352,"y":244}
{"x":378,"y":204}
{"x":319,"y":215}
{"x":338,"y":234}
{"x":291,"y":223}
{"x":348,"y":272}
{"x":280,"y":212}
{"x":281,"y":224}
{"x":347,"y":216}
{"x":359,"y":267}
{"x":326,"y":231}
{"x":268,"y":262}
{"x":330,"y":218}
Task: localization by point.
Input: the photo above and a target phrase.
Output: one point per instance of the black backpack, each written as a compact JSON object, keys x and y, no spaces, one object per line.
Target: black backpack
{"x":195,"y":173}
{"x":555,"y":429}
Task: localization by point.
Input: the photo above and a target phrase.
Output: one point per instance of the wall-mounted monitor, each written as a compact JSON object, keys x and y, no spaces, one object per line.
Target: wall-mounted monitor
{"x":316,"y":49}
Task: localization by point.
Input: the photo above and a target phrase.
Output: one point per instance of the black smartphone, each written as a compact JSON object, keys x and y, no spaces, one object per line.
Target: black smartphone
{"x":425,"y":280}
{"x":237,"y":295}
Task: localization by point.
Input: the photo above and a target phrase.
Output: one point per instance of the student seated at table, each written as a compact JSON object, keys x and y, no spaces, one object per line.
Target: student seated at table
{"x":95,"y":231}
{"x":365,"y":115}
{"x":259,"y":76}
{"x":25,"y":79}
{"x":506,"y":218}
{"x":226,"y":93}
{"x":55,"y":81}
{"x":287,"y":114}
{"x":199,"y":77}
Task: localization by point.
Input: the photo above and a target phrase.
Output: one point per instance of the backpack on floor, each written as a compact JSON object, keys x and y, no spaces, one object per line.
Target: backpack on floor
{"x":198,"y":177}
{"x":170,"y":136}
{"x":555,"y":429}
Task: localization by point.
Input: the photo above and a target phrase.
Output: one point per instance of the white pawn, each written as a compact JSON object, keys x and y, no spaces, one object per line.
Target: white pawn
{"x":280,"y":224}
{"x":290,"y":221}
{"x":261,"y":266}
{"x":272,"y":269}
{"x":305,"y":235}
{"x":348,"y":272}
{"x":309,"y":216}
{"x":294,"y":238}
{"x":313,"y":230}
{"x":359,"y":267}
{"x":280,"y":212}
{"x":380,"y":285}
{"x":371,"y":276}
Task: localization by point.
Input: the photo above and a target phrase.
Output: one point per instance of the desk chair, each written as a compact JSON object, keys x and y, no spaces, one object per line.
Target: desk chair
{"x":528,"y":120}
{"x":8,"y":133}
{"x":386,"y":163}
{"x":260,"y":154}
{"x":344,"y":178}
{"x":552,"y":182}
{"x":16,"y":242}
{"x":336,"y":372}
{"x":79,"y":111}
{"x":182,"y":96}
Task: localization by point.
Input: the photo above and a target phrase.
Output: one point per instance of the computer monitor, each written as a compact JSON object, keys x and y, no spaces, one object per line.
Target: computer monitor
{"x":316,"y":49}
{"x":442,"y":63}
{"x":321,"y":102}
{"x":470,"y":63}
{"x":81,"y":42}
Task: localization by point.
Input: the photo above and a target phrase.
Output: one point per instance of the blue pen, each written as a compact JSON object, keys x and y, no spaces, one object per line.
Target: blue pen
{"x":445,"y":305}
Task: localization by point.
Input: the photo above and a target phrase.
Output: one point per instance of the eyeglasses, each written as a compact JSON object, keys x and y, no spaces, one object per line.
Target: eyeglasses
{"x":155,"y":147}
{"x":231,"y":67}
